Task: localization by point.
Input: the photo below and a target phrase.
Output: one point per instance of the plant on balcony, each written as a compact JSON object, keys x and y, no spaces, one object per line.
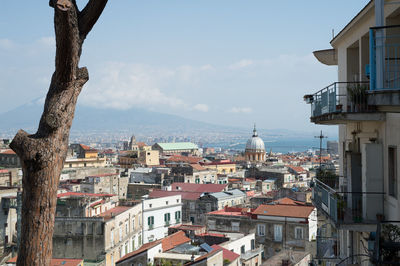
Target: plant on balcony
{"x":308,"y":98}
{"x":357,"y":96}
{"x":390,"y":238}
{"x":341,"y":206}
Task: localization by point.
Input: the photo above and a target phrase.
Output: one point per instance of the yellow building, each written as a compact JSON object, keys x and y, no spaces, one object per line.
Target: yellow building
{"x":222,"y":167}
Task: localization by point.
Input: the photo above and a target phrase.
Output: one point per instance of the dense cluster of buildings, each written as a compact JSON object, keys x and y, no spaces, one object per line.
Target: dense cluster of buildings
{"x":175,"y":203}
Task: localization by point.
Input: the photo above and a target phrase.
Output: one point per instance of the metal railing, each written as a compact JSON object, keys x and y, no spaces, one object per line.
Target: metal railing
{"x":339,"y":97}
{"x":347,"y":207}
{"x":327,"y":247}
{"x":384,"y":57}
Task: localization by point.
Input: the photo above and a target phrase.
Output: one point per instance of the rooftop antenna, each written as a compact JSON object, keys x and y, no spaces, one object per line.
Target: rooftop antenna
{"x":320,"y":137}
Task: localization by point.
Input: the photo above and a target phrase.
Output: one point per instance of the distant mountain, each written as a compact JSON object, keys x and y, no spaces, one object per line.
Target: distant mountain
{"x":133,"y":120}
{"x":88,"y":118}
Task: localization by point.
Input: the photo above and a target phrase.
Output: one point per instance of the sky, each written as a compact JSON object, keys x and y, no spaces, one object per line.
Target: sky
{"x":228,"y":62}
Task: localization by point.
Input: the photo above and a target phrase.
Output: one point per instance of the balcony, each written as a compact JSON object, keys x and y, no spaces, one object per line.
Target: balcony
{"x":342,"y":102}
{"x":348,"y":210}
{"x":327,"y":248}
{"x":384,"y":68}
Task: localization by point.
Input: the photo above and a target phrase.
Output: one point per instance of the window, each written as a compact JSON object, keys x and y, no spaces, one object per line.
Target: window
{"x":126,"y":228}
{"x":278,"y":232}
{"x":298,"y":233}
{"x":211,"y":224}
{"x":235,"y":226}
{"x":192,"y":205}
{"x":140,"y":240}
{"x":208,"y":207}
{"x":242,"y":249}
{"x":392,"y":171}
{"x":133,"y":224}
{"x":261,"y":229}
{"x":166,"y":203}
{"x":126,"y":248}
{"x":253,"y":244}
{"x":112,"y":238}
{"x":133,"y":244}
{"x":167,"y":218}
{"x":120,"y":233}
{"x":150,"y":222}
{"x":178,"y":216}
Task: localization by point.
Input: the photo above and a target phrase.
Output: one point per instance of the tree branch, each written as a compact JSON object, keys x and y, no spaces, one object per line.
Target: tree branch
{"x":67,"y":44}
{"x":89,"y":15}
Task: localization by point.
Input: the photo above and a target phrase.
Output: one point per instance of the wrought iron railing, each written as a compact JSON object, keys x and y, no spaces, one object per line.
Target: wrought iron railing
{"x":346,"y":207}
{"x":384,"y":52}
{"x":339,"y":97}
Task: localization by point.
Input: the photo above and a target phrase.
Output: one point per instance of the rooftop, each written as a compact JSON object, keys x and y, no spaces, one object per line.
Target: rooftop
{"x":174,"y":240}
{"x":158,"y":193}
{"x":143,"y":248}
{"x":81,"y":194}
{"x":232,"y":211}
{"x":114,"y":211}
{"x":284,"y":211}
{"x":177,"y":146}
{"x":55,"y":262}
{"x":227,"y":254}
{"x":190,"y":187}
{"x":7,"y":151}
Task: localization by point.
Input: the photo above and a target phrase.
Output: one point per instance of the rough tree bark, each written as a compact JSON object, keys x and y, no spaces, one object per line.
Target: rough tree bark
{"x":43,"y":154}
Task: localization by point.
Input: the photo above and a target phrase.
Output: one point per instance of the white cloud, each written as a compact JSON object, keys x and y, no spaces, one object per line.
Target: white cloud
{"x":6,"y":44}
{"x":241,"y":64}
{"x":47,"y":42}
{"x":201,"y":107}
{"x":241,"y":110}
{"x":207,"y":67}
{"x":122,"y":86}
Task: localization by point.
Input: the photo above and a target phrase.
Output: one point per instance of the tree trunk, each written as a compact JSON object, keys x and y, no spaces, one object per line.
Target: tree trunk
{"x":43,"y":154}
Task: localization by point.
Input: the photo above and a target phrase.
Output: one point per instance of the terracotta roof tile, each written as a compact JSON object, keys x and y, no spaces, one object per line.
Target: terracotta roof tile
{"x":174,"y":240}
{"x":8,"y":151}
{"x":227,"y":254}
{"x":284,"y":210}
{"x":143,"y":248}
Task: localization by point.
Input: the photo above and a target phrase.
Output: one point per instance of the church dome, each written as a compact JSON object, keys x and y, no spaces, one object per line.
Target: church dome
{"x":255,"y":144}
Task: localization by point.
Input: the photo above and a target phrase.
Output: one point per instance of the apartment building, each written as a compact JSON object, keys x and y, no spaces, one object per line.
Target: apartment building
{"x":95,"y":228}
{"x":158,"y":215}
{"x":364,"y":103}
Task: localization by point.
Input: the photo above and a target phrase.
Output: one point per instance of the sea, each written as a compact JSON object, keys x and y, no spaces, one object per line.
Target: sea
{"x":278,"y":145}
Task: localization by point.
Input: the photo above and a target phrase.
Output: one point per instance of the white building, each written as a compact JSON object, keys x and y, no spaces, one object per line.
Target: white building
{"x":365,"y":104}
{"x":158,"y":215}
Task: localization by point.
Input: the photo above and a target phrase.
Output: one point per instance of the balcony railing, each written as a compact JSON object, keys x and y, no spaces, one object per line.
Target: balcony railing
{"x":347,"y":207}
{"x":327,"y":248}
{"x":384,"y":68}
{"x":340,"y":97}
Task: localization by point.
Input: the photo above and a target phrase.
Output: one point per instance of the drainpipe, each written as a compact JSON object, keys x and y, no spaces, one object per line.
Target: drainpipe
{"x":142,"y":222}
{"x":379,"y":37}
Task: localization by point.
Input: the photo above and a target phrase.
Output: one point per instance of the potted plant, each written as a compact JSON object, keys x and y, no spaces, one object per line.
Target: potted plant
{"x":357,"y":96}
{"x":308,"y":98}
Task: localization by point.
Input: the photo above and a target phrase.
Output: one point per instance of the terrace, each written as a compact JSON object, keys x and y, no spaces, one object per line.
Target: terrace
{"x":343,"y":102}
{"x":348,"y":210}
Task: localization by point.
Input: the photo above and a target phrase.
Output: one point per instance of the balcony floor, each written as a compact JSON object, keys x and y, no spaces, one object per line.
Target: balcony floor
{"x":344,"y":118}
